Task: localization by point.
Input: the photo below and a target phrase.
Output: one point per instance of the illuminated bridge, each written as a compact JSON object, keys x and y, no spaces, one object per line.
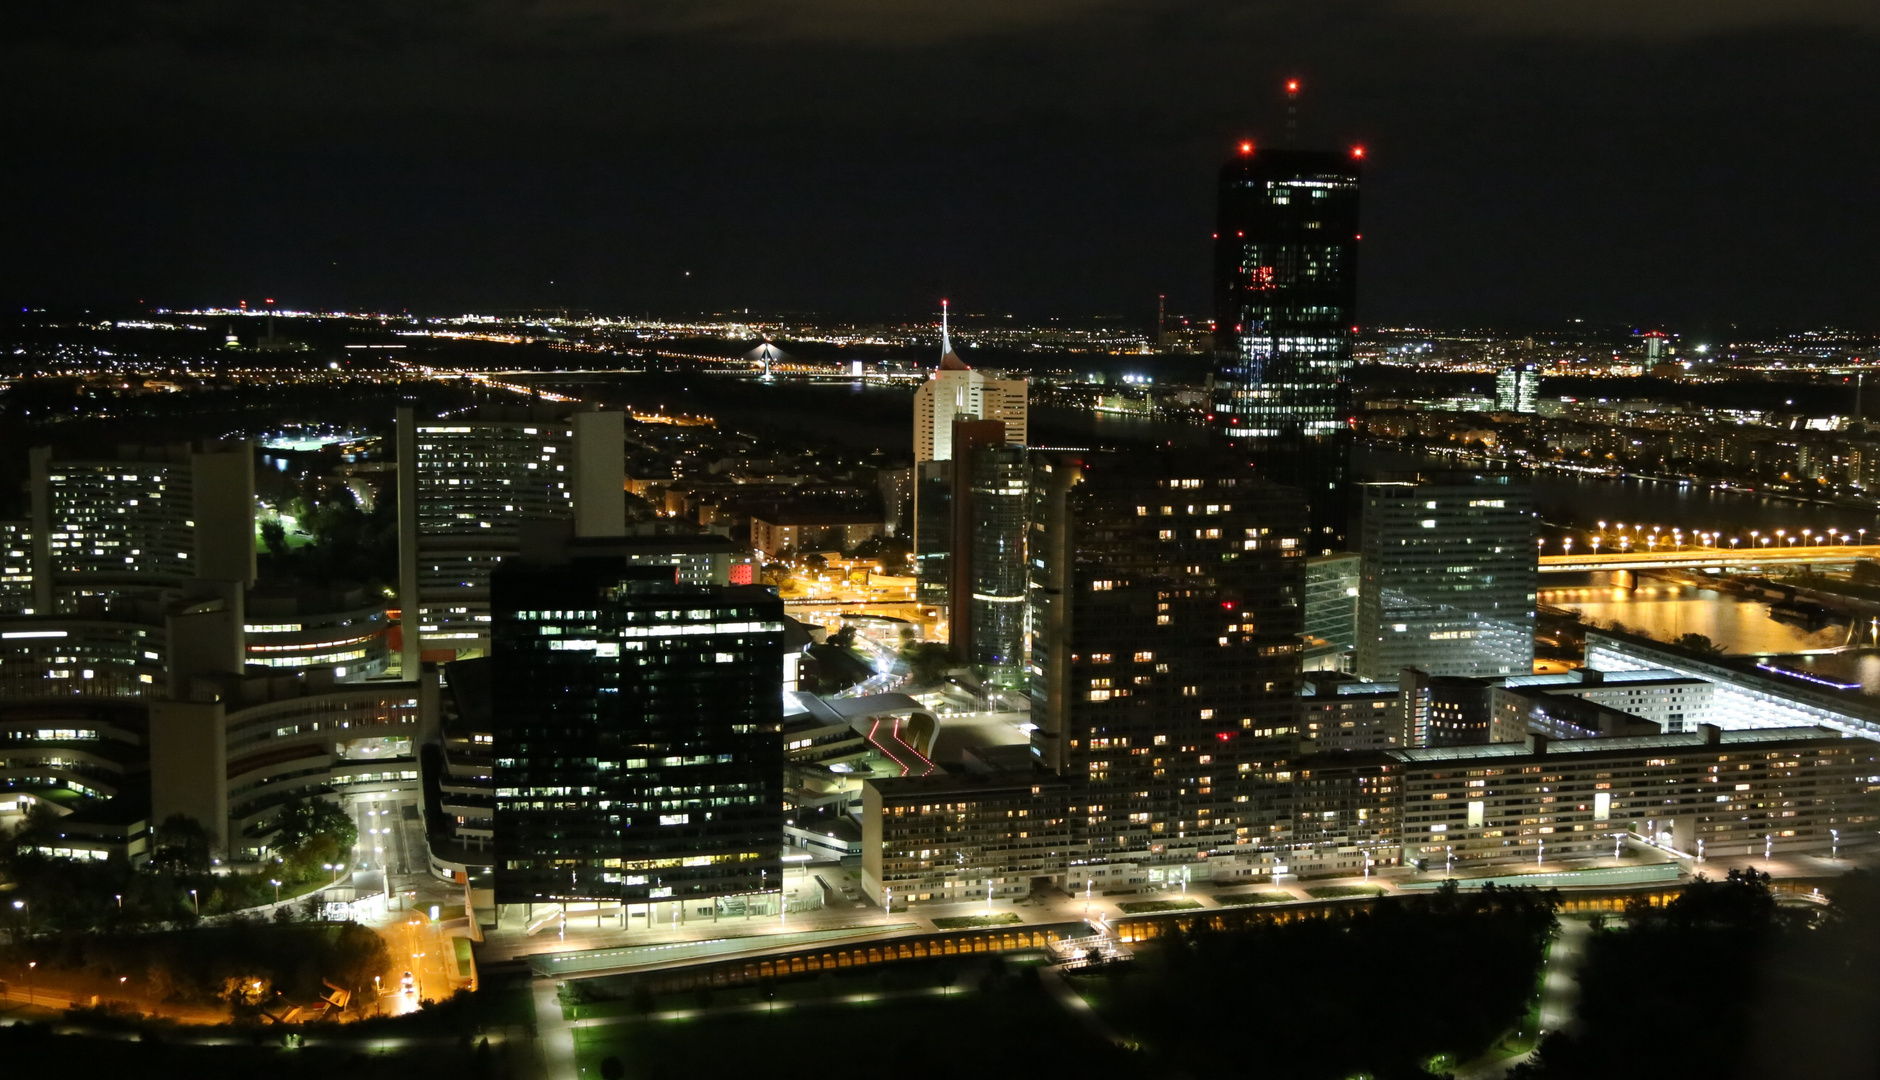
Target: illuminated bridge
{"x":1704,"y":558}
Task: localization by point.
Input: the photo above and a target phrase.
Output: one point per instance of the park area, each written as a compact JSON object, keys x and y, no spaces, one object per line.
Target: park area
{"x":1403,"y":988}
{"x":932,"y":1018}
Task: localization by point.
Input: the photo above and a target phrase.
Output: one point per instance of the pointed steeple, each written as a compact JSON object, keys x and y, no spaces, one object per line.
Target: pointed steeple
{"x":949,"y":360}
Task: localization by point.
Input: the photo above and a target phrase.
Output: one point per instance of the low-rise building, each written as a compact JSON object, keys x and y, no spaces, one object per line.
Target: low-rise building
{"x":1709,"y":792}
{"x":805,"y":529}
{"x":952,"y":836}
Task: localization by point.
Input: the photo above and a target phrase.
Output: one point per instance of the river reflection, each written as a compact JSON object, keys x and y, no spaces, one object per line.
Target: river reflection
{"x":1668,"y":610}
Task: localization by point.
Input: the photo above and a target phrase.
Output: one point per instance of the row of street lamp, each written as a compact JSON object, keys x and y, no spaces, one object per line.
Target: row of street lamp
{"x":1626,"y":538}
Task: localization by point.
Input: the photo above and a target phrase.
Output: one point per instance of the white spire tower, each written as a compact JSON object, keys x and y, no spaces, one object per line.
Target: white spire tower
{"x":946,"y":342}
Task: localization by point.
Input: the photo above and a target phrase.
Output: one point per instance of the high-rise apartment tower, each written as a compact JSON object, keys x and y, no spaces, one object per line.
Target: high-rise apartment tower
{"x":1167,"y":604}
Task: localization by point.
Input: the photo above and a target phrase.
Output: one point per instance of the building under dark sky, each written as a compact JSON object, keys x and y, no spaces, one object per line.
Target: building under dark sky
{"x":1286,"y":294}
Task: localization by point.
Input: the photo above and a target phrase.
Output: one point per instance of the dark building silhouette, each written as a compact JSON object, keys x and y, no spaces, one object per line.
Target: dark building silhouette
{"x":637,"y":735}
{"x":1285,"y":282}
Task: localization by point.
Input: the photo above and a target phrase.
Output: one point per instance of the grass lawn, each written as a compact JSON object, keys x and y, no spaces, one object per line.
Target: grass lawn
{"x":1333,"y":892}
{"x":967,"y":922}
{"x":1008,"y":1023}
{"x":1265,"y":896}
{"x":1143,"y":907}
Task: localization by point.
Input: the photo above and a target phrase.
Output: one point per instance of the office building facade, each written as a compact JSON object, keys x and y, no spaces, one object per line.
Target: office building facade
{"x":1285,"y":286}
{"x":1332,"y":610}
{"x":142,"y":524}
{"x":637,"y":748}
{"x":954,"y":837}
{"x":1166,"y":612}
{"x":1449,"y":577}
{"x":466,"y":487}
{"x":1516,"y":388}
{"x":1707,"y":793}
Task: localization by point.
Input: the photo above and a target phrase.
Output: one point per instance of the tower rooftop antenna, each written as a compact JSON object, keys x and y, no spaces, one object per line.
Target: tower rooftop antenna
{"x":946,"y":342}
{"x":1292,"y":111}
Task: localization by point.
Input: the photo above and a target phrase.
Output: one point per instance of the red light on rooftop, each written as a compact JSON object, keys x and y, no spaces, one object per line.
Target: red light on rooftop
{"x":1357,"y":151}
{"x":1292,"y":86}
{"x":1223,"y":735}
{"x":1246,"y":147}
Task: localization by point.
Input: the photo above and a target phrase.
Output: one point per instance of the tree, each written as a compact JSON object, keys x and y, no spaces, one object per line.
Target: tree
{"x":180,"y":845}
{"x":844,"y":638}
{"x":926,"y":661}
{"x":643,"y":1000}
{"x":1699,"y":643}
{"x":301,"y":824}
{"x":274,"y":536}
{"x":354,"y":955}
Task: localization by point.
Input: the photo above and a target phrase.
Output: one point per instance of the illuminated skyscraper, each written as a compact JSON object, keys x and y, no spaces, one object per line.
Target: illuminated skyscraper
{"x":466,"y":487}
{"x":1515,"y":388}
{"x":1448,"y":582}
{"x":1286,"y":289}
{"x":956,"y":392}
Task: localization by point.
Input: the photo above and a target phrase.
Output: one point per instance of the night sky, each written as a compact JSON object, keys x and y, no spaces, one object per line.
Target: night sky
{"x":1669,"y":162}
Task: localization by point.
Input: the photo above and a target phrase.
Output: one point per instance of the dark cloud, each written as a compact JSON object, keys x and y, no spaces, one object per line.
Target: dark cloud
{"x":1651,"y":19}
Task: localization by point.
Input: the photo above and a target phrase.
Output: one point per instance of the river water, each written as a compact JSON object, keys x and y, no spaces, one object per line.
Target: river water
{"x":861,"y":415}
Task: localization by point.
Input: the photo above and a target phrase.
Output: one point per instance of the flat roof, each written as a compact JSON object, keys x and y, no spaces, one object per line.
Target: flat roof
{"x":1690,"y":740}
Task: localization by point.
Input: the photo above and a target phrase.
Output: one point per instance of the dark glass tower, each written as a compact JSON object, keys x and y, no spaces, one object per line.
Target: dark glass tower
{"x":986,"y":609}
{"x":637,"y":735}
{"x":1286,"y":289}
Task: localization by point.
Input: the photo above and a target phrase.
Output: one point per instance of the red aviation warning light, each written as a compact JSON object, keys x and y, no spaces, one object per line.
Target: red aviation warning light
{"x":1292,"y":86}
{"x":1246,"y":147}
{"x":1357,"y":152}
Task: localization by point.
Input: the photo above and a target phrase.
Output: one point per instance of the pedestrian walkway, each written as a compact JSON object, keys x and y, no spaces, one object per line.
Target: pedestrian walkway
{"x":554,"y":1035}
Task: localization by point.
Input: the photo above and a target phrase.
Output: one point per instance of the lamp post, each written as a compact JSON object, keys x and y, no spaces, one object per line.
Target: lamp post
{"x":1834,"y":852}
{"x":1769,"y":846}
{"x":31,"y":966}
{"x":277,"y":889}
{"x":194,"y":905}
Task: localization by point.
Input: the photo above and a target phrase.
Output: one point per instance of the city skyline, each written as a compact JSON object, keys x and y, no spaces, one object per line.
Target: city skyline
{"x":579,"y":538}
